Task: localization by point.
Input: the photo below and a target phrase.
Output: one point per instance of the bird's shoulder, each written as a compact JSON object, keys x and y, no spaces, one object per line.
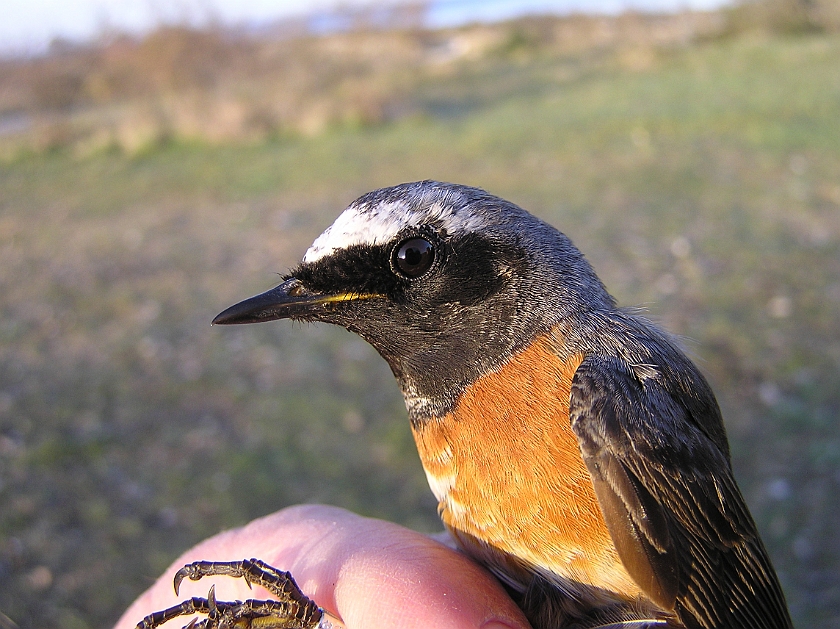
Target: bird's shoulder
{"x":652,"y":437}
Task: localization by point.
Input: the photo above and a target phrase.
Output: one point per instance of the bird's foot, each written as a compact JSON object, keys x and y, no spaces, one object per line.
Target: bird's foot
{"x":291,"y":610}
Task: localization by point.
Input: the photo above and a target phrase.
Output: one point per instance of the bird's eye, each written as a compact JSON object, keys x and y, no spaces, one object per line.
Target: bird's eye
{"x":414,"y":256}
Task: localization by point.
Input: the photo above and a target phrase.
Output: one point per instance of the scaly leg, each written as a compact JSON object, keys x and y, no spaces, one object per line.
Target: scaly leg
{"x":292,"y":610}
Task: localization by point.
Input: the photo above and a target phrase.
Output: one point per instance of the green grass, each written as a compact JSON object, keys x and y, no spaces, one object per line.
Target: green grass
{"x":704,"y":187}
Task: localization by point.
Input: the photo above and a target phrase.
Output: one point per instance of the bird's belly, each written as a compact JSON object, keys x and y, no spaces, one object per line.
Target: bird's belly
{"x":511,"y":482}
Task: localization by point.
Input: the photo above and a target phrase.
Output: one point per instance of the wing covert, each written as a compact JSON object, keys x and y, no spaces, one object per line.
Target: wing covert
{"x":669,"y":498}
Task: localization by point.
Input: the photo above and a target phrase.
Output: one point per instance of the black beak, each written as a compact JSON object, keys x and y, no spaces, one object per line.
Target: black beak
{"x":288,"y":300}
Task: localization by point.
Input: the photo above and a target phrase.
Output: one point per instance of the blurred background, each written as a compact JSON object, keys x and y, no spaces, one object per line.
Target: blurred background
{"x":155,"y":170}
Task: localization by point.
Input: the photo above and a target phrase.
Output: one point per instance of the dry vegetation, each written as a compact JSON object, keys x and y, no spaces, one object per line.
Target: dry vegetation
{"x":785,"y":16}
{"x":218,"y":85}
{"x":148,"y":184}
{"x":215,"y":86}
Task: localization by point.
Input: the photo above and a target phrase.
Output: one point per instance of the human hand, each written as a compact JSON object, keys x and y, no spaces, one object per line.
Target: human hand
{"x":370,"y":573}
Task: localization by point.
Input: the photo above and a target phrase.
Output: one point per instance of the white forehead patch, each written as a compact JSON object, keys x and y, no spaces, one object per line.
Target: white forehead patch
{"x":357,"y":226}
{"x":379,"y":223}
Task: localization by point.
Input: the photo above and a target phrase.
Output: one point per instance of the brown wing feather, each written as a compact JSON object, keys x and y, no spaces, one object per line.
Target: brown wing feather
{"x":638,"y":529}
{"x":669,"y":498}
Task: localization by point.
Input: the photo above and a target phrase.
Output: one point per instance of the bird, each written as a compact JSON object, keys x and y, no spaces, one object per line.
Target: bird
{"x":574,"y":449}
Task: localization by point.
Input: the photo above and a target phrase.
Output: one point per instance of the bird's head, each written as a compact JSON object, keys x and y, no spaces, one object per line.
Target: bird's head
{"x":445,"y":281}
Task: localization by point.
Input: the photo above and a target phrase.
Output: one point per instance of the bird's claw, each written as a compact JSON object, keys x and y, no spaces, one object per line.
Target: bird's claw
{"x":291,"y":610}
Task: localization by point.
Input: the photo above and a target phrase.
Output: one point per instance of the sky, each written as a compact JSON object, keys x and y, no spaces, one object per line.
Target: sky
{"x":29,"y":25}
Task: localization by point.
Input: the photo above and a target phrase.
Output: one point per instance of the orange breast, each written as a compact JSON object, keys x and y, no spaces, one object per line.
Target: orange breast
{"x":506,"y":468}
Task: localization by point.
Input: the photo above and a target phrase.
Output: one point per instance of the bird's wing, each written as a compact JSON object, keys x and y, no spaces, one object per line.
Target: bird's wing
{"x":671,"y":504}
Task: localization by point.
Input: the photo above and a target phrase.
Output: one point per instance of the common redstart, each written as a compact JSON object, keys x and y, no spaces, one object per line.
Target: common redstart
{"x":574,"y":449}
